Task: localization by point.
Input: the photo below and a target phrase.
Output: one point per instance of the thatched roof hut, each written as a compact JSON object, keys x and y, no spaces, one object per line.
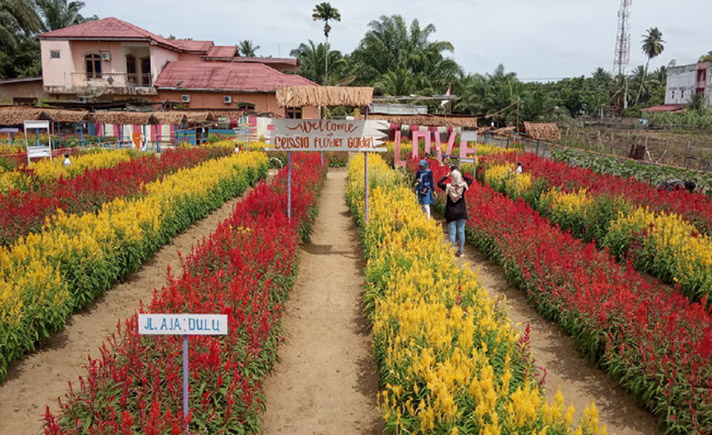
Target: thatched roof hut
{"x":430,"y":120}
{"x":195,"y":117}
{"x":60,"y":115}
{"x":16,"y":115}
{"x":324,"y":96}
{"x":169,"y":118}
{"x":504,"y":131}
{"x":122,"y":118}
{"x":547,"y":131}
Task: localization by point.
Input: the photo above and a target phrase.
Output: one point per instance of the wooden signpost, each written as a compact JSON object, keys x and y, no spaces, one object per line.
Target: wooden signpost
{"x":309,"y":135}
{"x":185,"y":325}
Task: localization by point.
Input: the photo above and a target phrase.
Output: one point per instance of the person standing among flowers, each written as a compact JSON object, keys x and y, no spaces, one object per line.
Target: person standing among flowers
{"x":456,"y":208}
{"x":424,"y":186}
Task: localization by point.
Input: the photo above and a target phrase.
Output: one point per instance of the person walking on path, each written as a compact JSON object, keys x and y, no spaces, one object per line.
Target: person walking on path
{"x":424,"y":186}
{"x":455,"y":208}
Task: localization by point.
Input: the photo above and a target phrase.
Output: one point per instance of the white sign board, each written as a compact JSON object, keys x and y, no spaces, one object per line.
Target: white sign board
{"x":326,"y":135}
{"x":36,"y":125}
{"x":182,"y":324}
{"x":469,"y":136}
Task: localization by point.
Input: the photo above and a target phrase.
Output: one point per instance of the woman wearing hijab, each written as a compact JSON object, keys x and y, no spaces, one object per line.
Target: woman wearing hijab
{"x":456,"y":209}
{"x":424,"y":186}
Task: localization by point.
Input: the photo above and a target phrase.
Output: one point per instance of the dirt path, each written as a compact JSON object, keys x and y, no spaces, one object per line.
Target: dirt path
{"x":41,"y":377}
{"x":580,"y":380}
{"x":326,"y":380}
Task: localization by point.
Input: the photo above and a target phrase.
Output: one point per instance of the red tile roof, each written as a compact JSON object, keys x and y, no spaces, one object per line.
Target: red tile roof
{"x":665,"y":108}
{"x":190,"y":45}
{"x":222,"y":51}
{"x":113,"y":28}
{"x":268,"y":60}
{"x":226,"y":76}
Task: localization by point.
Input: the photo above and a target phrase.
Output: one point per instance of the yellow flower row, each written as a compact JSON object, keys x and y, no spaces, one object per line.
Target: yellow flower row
{"x":505,"y":179}
{"x":663,"y":244}
{"x":47,"y":170}
{"x":52,"y":169}
{"x":450,"y":360}
{"x":666,"y":245}
{"x":46,"y":276}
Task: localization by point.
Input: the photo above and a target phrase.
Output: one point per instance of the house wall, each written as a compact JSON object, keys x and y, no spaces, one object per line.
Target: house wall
{"x":160,"y":57}
{"x":682,"y":84}
{"x":56,"y":72}
{"x":263,"y":101}
{"x":10,"y":91}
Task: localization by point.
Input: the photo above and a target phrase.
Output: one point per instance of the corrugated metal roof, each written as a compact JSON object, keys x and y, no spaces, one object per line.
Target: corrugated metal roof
{"x":226,"y":76}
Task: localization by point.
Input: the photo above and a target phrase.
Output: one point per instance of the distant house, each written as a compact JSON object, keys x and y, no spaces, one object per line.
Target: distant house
{"x":686,"y":80}
{"x":110,"y":63}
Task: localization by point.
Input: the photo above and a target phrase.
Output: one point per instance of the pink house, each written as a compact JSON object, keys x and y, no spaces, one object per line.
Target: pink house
{"x":110,"y":62}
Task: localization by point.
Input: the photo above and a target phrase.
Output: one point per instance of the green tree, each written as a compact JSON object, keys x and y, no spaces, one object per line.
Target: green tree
{"x":247,"y":48}
{"x":311,"y":58}
{"x":652,"y":47}
{"x":58,"y":14}
{"x":17,"y":18}
{"x":706,"y":57}
{"x":392,"y":45}
{"x":19,"y":52}
{"x":325,"y":12}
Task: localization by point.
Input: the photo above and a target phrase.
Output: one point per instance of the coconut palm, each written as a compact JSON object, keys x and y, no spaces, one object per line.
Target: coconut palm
{"x":652,"y":47}
{"x":247,"y":48}
{"x":325,"y":12}
{"x":311,"y":58}
{"x":392,"y":44}
{"x":17,"y":18}
{"x":58,"y":14}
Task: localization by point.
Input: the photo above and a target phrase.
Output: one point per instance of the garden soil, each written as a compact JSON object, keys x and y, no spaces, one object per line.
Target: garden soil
{"x":40,"y":378}
{"x":581,"y":381}
{"x":325,"y":381}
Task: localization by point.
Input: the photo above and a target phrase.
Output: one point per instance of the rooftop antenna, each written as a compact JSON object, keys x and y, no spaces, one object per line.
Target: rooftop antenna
{"x":622,"y":54}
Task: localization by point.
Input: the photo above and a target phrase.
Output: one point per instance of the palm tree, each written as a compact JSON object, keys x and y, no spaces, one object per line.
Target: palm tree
{"x":311,"y":58}
{"x":392,"y":44}
{"x":652,"y":47}
{"x":247,"y":48}
{"x":58,"y":14}
{"x":325,"y":12}
{"x":17,"y":18}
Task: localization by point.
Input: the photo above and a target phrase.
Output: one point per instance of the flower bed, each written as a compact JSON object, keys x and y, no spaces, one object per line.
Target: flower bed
{"x":24,"y":212}
{"x":136,"y":384}
{"x":655,"y":342}
{"x":693,"y":207}
{"x":45,"y":277}
{"x":660,"y":243}
{"x":448,"y":358}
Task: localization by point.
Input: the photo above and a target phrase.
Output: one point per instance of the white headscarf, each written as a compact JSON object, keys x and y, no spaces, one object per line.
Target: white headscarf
{"x":456,"y":187}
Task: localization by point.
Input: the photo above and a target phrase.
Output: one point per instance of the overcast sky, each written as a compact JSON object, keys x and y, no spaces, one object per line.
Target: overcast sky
{"x":537,"y":39}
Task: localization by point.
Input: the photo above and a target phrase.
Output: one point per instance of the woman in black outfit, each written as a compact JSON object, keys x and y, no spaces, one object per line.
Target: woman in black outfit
{"x":456,"y":209}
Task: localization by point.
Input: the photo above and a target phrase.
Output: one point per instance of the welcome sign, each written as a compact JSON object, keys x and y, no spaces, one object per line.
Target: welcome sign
{"x":327,"y":135}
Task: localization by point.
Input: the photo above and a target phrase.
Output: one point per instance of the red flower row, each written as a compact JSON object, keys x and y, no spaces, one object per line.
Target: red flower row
{"x":23,"y":213}
{"x":694,"y":207}
{"x":654,"y":341}
{"x":244,"y":270}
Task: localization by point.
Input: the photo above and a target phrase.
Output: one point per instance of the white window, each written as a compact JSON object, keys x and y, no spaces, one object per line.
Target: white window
{"x":682,"y":94}
{"x":54,"y":54}
{"x":673,"y":94}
